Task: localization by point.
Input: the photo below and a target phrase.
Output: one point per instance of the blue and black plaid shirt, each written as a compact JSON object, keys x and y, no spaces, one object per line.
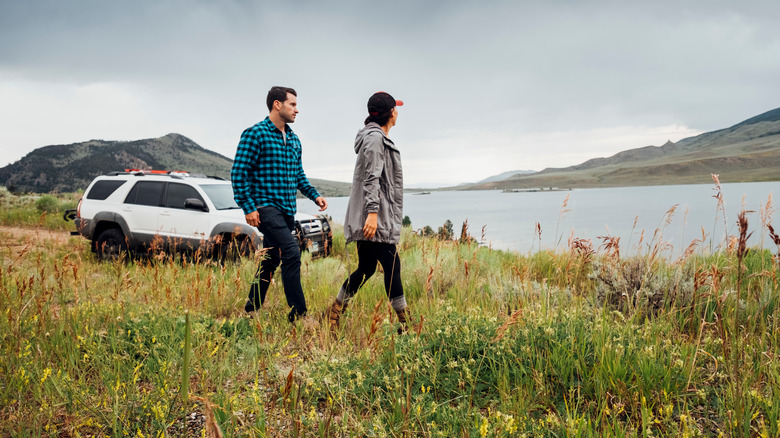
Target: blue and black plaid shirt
{"x":268,"y":172}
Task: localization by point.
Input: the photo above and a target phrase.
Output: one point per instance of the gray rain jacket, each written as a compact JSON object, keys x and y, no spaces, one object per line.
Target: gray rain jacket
{"x":377,"y":186}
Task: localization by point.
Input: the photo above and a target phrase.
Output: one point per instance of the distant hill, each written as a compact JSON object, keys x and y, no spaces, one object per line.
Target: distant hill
{"x":505,"y":175}
{"x":67,"y":168}
{"x":747,"y":151}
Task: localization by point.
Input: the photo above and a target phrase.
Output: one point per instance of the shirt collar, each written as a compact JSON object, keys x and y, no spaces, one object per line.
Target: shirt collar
{"x":271,"y":125}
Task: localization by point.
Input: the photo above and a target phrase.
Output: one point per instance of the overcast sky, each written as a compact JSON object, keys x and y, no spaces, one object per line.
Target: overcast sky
{"x":489,"y":86}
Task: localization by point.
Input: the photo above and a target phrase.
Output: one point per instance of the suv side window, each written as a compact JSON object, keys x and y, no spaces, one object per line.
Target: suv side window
{"x":177,"y":193}
{"x":146,"y":193}
{"x":103,"y":189}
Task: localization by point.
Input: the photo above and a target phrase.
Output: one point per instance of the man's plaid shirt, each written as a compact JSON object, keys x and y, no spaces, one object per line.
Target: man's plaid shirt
{"x":268,"y":172}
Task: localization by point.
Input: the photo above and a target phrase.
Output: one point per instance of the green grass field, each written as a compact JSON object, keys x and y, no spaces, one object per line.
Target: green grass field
{"x":583,"y":341}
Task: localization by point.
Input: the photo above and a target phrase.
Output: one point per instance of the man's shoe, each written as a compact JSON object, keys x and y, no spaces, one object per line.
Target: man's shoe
{"x":249,"y":307}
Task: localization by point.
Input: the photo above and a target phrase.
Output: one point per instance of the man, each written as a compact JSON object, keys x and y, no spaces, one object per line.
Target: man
{"x":266,"y":174}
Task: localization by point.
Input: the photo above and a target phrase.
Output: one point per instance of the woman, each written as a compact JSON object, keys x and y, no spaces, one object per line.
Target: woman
{"x":375,"y":209}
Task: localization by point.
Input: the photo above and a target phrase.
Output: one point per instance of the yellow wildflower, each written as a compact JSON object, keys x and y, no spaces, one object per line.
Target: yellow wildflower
{"x":46,"y":374}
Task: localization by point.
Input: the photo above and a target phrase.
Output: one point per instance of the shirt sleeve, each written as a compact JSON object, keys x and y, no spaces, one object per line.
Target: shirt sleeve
{"x":303,"y":184}
{"x":374,"y":163}
{"x":246,"y":155}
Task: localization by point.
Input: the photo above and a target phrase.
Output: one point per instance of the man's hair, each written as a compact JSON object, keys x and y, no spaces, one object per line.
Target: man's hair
{"x":278,"y":93}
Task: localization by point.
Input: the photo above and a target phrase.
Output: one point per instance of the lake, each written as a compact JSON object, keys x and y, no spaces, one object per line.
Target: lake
{"x":509,"y":219}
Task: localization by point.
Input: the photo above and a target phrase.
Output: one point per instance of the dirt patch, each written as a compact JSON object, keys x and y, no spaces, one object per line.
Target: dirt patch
{"x":18,"y":238}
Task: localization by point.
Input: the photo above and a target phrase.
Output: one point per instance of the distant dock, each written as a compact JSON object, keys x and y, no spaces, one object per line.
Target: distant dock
{"x":541,"y":189}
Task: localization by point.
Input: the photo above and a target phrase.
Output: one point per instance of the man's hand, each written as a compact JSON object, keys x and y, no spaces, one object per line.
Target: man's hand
{"x":322,"y":203}
{"x":369,"y":229}
{"x":253,"y":218}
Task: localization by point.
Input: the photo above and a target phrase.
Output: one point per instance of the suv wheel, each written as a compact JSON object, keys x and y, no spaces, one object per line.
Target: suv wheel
{"x":233,"y":248}
{"x":111,"y":245}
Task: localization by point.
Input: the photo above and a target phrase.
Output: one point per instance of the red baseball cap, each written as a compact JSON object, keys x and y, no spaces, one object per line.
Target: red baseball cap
{"x":382,"y":102}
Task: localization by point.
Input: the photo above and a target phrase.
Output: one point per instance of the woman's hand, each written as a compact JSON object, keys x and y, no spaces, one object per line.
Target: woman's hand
{"x":369,"y":229}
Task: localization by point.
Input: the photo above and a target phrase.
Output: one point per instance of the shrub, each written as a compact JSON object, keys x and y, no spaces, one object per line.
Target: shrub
{"x":635,"y":285}
{"x":48,"y":204}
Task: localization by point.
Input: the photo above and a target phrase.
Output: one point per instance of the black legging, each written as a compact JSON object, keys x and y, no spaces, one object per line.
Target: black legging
{"x":368,"y":254}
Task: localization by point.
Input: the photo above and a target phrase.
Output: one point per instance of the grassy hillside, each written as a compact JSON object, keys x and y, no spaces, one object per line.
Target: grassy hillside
{"x":748,"y":151}
{"x":587,"y":342}
{"x":67,"y":168}
{"x":331,"y":188}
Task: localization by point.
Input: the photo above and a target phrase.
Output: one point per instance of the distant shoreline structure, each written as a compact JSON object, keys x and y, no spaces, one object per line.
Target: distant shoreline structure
{"x":540,"y":189}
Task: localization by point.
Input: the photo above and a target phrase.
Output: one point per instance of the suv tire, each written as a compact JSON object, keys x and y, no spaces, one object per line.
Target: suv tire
{"x":111,"y":245}
{"x":232,"y":248}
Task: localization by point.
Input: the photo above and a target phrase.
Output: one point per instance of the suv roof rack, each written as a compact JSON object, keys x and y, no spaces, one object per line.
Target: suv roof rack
{"x":172,"y":173}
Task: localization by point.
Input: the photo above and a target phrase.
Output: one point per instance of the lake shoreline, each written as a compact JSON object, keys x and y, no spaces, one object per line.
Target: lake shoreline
{"x":675,"y":213}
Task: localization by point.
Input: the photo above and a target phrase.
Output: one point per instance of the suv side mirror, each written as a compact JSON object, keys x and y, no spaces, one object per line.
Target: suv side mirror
{"x":195,"y":204}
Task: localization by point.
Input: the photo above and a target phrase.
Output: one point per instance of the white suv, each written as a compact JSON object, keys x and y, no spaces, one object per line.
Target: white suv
{"x":140,"y":211}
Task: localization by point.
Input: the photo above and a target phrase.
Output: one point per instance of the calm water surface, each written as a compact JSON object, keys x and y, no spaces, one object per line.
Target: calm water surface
{"x":509,"y":219}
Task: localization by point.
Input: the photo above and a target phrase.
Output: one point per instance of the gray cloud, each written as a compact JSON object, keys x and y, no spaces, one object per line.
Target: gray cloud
{"x":498,"y":77}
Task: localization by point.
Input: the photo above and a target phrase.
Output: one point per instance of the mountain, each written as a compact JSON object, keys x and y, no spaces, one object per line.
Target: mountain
{"x":747,"y":151}
{"x":67,"y":168}
{"x":505,"y":175}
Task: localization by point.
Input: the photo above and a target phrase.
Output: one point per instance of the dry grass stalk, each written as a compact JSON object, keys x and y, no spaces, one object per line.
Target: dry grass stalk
{"x":211,"y":429}
{"x":670,"y":214}
{"x":688,"y":251}
{"x":776,"y":240}
{"x":565,"y":205}
{"x":709,"y":278}
{"x":742,"y":222}
{"x":376,"y":320}
{"x":659,"y":247}
{"x":641,"y":239}
{"x":721,"y":204}
{"x":564,"y":210}
{"x":775,"y":237}
{"x":611,"y":246}
{"x":465,"y":237}
{"x":658,"y":234}
{"x":582,"y":248}
{"x":418,"y":327}
{"x":538,"y":233}
{"x":766,"y":213}
{"x":513,"y":319}
{"x":429,"y":283}
{"x":732,"y":243}
{"x":743,"y":234}
{"x":288,"y":383}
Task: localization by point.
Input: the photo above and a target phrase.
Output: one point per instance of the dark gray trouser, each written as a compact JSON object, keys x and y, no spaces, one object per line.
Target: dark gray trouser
{"x":282,"y":248}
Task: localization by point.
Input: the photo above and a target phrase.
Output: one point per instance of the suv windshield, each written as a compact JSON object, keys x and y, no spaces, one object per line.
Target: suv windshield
{"x":221,"y":195}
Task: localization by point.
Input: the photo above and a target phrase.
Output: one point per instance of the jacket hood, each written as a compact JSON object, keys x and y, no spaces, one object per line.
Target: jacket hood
{"x":369,"y":128}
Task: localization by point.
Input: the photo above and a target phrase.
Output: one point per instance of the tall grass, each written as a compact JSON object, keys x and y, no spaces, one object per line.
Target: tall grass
{"x":580,"y":341}
{"x":42,"y":210}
